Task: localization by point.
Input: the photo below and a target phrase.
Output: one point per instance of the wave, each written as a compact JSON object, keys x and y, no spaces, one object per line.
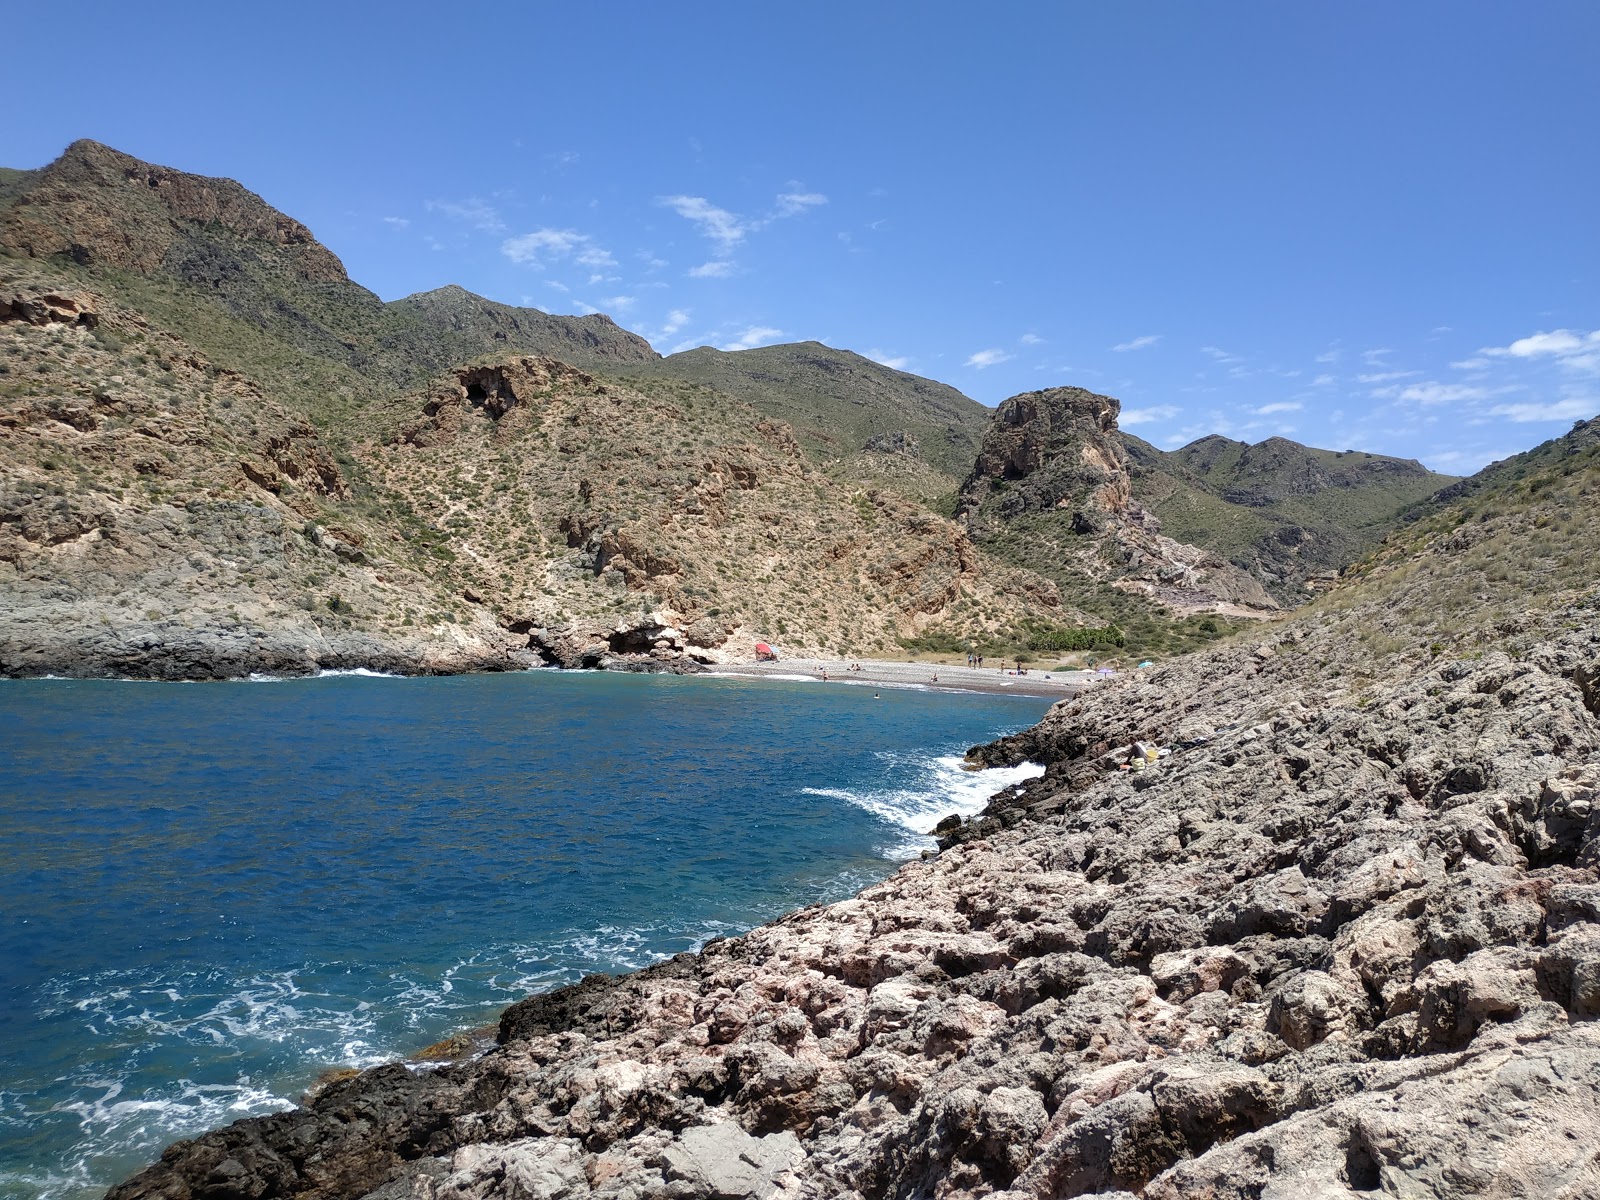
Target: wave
{"x":363,"y":672}
{"x":919,"y":793}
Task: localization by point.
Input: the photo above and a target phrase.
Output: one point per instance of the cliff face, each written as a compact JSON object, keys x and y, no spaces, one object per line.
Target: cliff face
{"x":1052,"y":462}
{"x":1342,"y":939}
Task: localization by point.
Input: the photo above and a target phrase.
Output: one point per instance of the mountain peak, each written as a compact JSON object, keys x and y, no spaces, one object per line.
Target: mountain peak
{"x":100,"y":206}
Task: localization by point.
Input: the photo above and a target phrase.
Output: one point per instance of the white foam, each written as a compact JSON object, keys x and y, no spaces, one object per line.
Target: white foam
{"x":936,"y":788}
{"x":362,"y":672}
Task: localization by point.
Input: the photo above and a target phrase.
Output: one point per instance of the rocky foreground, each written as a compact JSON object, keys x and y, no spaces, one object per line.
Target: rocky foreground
{"x":1343,"y":939}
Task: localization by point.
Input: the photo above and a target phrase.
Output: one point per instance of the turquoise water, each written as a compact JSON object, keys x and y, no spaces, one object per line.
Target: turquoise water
{"x":212,"y":892}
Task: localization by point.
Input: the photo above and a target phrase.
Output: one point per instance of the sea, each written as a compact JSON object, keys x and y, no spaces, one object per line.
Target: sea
{"x":211,"y":893}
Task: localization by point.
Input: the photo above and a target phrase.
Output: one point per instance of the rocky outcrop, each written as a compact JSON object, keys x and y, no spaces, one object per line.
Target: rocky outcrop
{"x":1054,"y":459}
{"x":647,"y":642}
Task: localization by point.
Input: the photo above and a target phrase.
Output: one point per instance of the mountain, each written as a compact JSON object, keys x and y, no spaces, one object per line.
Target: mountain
{"x":222,"y":455}
{"x":251,"y":287}
{"x":1291,"y":515}
{"x":863,"y":422}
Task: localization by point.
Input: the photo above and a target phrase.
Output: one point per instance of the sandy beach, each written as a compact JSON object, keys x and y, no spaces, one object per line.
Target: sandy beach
{"x":919,"y":674}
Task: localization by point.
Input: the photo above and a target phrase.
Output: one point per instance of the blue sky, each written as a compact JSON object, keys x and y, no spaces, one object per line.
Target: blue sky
{"x":1361,"y":225}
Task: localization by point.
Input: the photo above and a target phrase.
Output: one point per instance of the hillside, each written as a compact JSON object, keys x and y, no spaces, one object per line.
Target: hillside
{"x":1291,"y":515}
{"x":251,"y":288}
{"x":1341,"y":939}
{"x":163,"y":514}
{"x":225,"y":456}
{"x":868,"y":423}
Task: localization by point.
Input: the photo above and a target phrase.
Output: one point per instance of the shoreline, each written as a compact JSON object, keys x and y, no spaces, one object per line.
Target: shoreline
{"x":873,"y":672}
{"x":928,"y":676}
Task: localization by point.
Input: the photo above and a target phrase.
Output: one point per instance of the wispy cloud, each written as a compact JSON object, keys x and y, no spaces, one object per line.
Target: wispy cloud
{"x":1144,"y":416}
{"x":1138,"y":343}
{"x":1329,"y":356}
{"x":727,"y":230}
{"x":617,"y":303}
{"x":755,"y":335}
{"x":1031,"y":339}
{"x":676,"y":320}
{"x":790,"y":203}
{"x":722,"y":227}
{"x":1388,"y":376}
{"x":1573,"y":409}
{"x":1219,"y":355}
{"x":1435,"y":393}
{"x":1374,"y":358}
{"x":1282,"y":406}
{"x":397,"y":222}
{"x":899,"y":362}
{"x":544,"y":246}
{"x":1324,"y":380}
{"x":987,"y":358}
{"x":1472,"y":364}
{"x":480,"y":214}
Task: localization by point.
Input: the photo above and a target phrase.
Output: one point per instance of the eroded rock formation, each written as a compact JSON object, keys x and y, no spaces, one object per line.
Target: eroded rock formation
{"x":1055,"y":457}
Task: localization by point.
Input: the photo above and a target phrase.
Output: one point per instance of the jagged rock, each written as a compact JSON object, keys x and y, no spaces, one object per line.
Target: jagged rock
{"x":1058,"y":452}
{"x":723,"y":1162}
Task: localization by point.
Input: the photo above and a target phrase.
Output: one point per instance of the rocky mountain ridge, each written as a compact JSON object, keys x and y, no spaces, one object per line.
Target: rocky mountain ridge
{"x":1292,"y":515}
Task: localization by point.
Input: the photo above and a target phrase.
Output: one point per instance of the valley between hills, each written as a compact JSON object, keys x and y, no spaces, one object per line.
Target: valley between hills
{"x":1341,"y":939}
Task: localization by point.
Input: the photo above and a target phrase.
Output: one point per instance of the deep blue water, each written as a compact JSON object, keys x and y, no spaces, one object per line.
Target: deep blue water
{"x":211,"y":892}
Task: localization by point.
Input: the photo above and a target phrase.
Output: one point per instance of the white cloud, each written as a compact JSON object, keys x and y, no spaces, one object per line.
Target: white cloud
{"x":1138,"y":343}
{"x":1374,"y":358}
{"x":986,"y":358}
{"x":1323,"y":381}
{"x":1387,"y":376}
{"x":724,"y":228}
{"x":676,"y":320}
{"x":1471,"y":364}
{"x":1576,"y":408}
{"x":560,"y":287}
{"x":1281,"y":406}
{"x":1221,"y":356}
{"x":548,"y":245}
{"x":791,"y":203}
{"x":618,"y":303}
{"x":756,"y":335}
{"x":1031,"y":339}
{"x":475,"y":212}
{"x":397,"y":222}
{"x":1144,"y":416}
{"x":1559,"y":342}
{"x":1573,"y":350}
{"x":898,"y":362}
{"x":1332,"y":356}
{"x":717,"y":269}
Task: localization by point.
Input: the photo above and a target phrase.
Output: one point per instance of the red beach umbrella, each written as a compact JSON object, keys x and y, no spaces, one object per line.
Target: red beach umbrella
{"x":763,"y":648}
